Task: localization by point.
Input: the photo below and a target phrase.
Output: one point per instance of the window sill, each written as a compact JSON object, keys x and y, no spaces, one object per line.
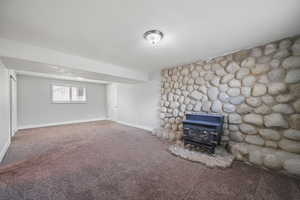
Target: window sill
{"x":69,"y":102}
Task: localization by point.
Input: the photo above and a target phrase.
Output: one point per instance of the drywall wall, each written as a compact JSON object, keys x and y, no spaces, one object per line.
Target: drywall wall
{"x":138,"y":104}
{"x":35,"y":107}
{"x":4,"y":111}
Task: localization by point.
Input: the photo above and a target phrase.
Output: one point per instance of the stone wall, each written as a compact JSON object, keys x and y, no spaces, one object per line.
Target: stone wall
{"x":258,"y":90}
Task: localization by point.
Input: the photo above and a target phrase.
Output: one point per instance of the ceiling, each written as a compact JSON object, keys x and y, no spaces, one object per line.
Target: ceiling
{"x":111,"y":31}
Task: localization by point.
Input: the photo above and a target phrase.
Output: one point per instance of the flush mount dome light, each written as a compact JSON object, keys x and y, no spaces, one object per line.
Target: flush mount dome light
{"x":153,"y":36}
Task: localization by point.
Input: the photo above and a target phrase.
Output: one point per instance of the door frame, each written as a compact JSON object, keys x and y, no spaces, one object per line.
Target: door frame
{"x":13,"y":116}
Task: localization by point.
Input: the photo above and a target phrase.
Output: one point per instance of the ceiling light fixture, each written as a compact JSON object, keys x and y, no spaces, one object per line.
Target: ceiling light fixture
{"x":153,"y":36}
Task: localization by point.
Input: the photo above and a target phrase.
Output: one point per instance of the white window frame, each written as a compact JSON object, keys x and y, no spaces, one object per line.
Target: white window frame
{"x":70,"y":94}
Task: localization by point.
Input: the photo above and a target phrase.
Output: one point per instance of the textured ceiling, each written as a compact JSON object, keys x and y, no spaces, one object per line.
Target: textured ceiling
{"x":111,"y":31}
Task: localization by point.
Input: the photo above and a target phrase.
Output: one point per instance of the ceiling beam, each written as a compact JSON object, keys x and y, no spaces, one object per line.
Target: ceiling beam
{"x":14,"y":49}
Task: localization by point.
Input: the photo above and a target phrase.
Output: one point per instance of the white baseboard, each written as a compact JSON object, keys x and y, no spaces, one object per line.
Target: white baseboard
{"x":136,"y":126}
{"x":4,"y":149}
{"x":60,"y":123}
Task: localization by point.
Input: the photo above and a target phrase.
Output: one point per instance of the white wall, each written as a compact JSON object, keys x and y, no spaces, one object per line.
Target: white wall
{"x":4,"y":111}
{"x":138,"y":104}
{"x":35,"y":107}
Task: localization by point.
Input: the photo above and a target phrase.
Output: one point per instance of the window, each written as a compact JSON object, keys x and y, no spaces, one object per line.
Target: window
{"x":68,"y":94}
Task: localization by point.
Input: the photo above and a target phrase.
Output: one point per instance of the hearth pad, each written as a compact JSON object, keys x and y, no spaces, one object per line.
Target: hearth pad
{"x":221,"y":158}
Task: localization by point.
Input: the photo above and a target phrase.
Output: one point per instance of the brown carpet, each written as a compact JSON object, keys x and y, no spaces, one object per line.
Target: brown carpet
{"x":105,"y":160}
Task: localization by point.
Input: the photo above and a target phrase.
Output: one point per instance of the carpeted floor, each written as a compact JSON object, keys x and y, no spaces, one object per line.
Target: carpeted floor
{"x":105,"y":160}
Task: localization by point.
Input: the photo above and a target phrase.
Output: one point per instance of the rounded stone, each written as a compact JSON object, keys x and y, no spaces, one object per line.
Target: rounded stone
{"x":268,"y":100}
{"x":233,"y":127}
{"x":212,"y":93}
{"x":248,"y":62}
{"x":296,"y":48}
{"x":296,"y":105}
{"x":255,"y":139}
{"x":283,"y":108}
{"x":232,"y":67}
{"x":271,"y":144}
{"x":200,"y":81}
{"x":223,"y":97}
{"x":236,"y":136}
{"x":196,"y":95}
{"x":197,"y":107}
{"x":259,"y":90}
{"x":263,"y":79}
{"x":229,"y":108}
{"x":223,"y":88}
{"x":246,"y":91}
{"x":277,"y":88}
{"x":248,"y":129}
{"x":185,"y":71}
{"x":275,"y":63}
{"x":282,"y":53}
{"x":285,"y":98}
{"x":191,"y":81}
{"x":294,"y":121}
{"x":244,"y":109}
{"x":292,"y":166}
{"x":269,"y":134}
{"x":163,"y":109}
{"x":203,"y":89}
{"x":253,"y":119}
{"x":175,"y":112}
{"x":182,"y":107}
{"x":295,"y":89}
{"x":206,"y":106}
{"x":195,"y":74}
{"x":235,"y":83}
{"x":209,"y":76}
{"x":248,"y":80}
{"x":276,"y":74}
{"x":264,"y":59}
{"x":237,"y":100}
{"x":269,"y":49}
{"x":242,"y":73}
{"x":284,"y":44}
{"x":256,"y":52}
{"x":293,"y":76}
{"x":215,"y":81}
{"x":289,"y":145}
{"x":227,"y":78}
{"x":174,"y":104}
{"x":216,"y":106}
{"x":263,"y":109}
{"x":275,"y":120}
{"x":221,"y":72}
{"x":272,"y":162}
{"x":260,"y":69}
{"x":253,"y":101}
{"x":291,"y":62}
{"x":234,"y":118}
{"x":190,"y":107}
{"x":256,"y":157}
{"x":292,"y":134}
{"x":233,"y":92}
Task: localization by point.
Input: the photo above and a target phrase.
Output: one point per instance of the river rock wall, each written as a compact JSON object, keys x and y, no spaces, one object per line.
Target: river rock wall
{"x":258,"y":91}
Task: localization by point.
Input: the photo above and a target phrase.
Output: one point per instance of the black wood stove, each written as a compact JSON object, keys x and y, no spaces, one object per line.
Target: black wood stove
{"x":203,"y":130}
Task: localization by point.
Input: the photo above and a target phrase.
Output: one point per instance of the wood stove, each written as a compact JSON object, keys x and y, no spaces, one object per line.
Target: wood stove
{"x":203,"y":130}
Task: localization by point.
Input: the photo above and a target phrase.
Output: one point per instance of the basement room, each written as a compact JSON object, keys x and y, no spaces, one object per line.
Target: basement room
{"x":149,"y":100}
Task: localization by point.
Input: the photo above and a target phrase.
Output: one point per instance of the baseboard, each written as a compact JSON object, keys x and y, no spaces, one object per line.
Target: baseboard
{"x":60,"y":123}
{"x":136,"y":126}
{"x":4,"y":149}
